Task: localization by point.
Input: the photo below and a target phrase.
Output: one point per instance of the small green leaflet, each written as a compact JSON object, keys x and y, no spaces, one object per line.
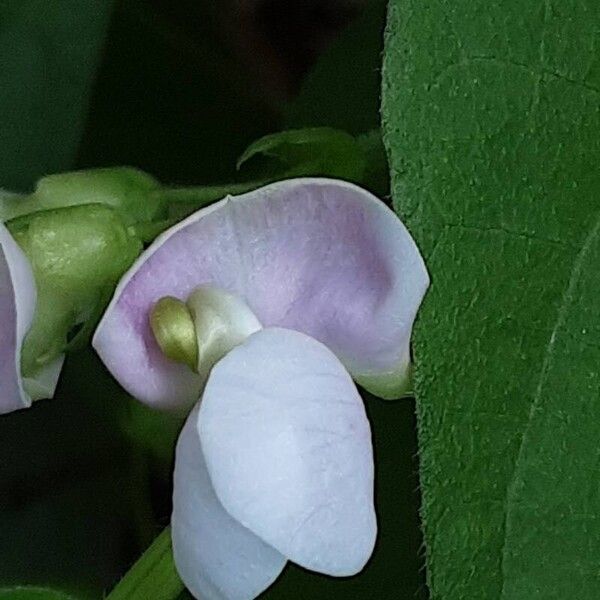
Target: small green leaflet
{"x":492,"y":124}
{"x":49,"y":55}
{"x":320,"y":152}
{"x":314,"y":151}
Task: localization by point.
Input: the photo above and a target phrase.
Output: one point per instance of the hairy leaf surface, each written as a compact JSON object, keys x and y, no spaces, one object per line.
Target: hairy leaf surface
{"x":492,"y":122}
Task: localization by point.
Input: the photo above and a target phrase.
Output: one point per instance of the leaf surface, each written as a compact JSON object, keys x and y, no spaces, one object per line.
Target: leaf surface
{"x":492,"y":122}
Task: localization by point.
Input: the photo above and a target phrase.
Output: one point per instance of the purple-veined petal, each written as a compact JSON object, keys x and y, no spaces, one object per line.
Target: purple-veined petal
{"x":17,"y":306}
{"x":288,"y":447}
{"x":320,"y":256}
{"x":216,"y":557}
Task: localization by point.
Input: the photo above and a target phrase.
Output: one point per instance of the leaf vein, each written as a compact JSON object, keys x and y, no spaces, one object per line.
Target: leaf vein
{"x":568,"y":296}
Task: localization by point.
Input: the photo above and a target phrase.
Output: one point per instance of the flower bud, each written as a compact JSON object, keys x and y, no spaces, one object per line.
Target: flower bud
{"x":131,"y":192}
{"x":77,"y":255}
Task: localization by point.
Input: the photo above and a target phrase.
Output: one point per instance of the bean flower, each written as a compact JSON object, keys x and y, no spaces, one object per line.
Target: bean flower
{"x":18,"y":295}
{"x":258,"y":313}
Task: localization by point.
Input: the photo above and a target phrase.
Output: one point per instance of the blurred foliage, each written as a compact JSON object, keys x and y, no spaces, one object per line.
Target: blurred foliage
{"x":32,"y":593}
{"x":343,"y":90}
{"x":49,"y":55}
{"x":66,"y":516}
{"x":170,"y":100}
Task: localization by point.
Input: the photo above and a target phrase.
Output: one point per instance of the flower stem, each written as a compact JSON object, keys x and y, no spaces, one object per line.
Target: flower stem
{"x":203,"y":195}
{"x":152,"y":576}
{"x":147,"y":232}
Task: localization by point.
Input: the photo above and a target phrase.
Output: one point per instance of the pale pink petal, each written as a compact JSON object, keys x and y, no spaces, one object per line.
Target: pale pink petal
{"x":320,"y":256}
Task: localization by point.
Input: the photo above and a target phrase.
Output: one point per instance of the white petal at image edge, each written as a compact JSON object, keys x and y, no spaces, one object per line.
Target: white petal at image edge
{"x":17,"y":306}
{"x":216,"y":557}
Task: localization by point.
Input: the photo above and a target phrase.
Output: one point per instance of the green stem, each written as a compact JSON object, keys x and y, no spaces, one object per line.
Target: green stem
{"x":152,"y":576}
{"x":148,"y":231}
{"x":204,"y":195}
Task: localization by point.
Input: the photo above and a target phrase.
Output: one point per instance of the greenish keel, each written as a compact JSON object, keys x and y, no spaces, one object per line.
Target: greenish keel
{"x":389,"y":385}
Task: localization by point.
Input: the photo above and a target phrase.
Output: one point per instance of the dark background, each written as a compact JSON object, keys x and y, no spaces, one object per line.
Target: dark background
{"x":182,"y":88}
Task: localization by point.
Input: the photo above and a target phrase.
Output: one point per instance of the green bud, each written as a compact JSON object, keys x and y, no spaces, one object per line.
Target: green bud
{"x":173,"y":328}
{"x":129,"y":191}
{"x":132,"y":193}
{"x":77,"y":254}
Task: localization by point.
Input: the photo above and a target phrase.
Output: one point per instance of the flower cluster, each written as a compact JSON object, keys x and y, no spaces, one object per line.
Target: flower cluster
{"x":256,"y":314}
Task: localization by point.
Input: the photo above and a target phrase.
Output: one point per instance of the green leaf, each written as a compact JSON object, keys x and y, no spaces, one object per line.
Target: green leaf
{"x":492,"y":124}
{"x":311,"y":151}
{"x":32,"y":593}
{"x":49,"y":54}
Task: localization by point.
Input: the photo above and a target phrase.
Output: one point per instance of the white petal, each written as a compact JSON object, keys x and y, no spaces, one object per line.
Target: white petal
{"x":216,"y":557}
{"x":288,"y":448}
{"x":17,"y":306}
